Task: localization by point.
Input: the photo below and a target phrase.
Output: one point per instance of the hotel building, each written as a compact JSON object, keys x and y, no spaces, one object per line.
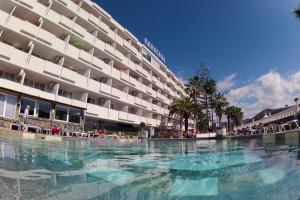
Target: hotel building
{"x":75,"y":65}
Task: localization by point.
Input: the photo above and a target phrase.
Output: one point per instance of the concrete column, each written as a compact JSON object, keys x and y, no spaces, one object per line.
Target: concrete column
{"x":10,"y":14}
{"x":95,"y":34}
{"x":22,"y":75}
{"x":30,"y":46}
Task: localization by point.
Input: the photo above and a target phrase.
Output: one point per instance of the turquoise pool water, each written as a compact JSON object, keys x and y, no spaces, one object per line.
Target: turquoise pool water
{"x":267,"y":168}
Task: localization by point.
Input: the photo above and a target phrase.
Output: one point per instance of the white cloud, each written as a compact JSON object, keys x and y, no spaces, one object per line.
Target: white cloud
{"x":183,"y":81}
{"x":271,"y":90}
{"x":227,"y":83}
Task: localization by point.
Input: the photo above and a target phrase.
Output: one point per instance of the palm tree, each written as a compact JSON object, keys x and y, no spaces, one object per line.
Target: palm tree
{"x":219,"y":104}
{"x":237,"y":115}
{"x":194,"y":90}
{"x":181,"y":108}
{"x":228,"y":113}
{"x":234,"y":114}
{"x":210,"y":88}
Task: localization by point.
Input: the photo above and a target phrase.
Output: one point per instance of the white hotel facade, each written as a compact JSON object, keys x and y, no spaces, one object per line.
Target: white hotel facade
{"x":74,"y":64}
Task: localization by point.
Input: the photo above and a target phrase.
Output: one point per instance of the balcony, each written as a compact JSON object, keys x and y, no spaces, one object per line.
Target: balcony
{"x":155,"y":80}
{"x":100,"y":44}
{"x":119,"y":40}
{"x":64,"y":100}
{"x":66,"y":22}
{"x":68,"y":75}
{"x":94,"y":86}
{"x":116,"y":93}
{"x":130,"y":99}
{"x":10,"y":85}
{"x":106,"y":89}
{"x":124,"y":77}
{"x":94,"y":20}
{"x":155,"y":108}
{"x":38,"y":93}
{"x":3,"y":17}
{"x":150,"y":90}
{"x":147,"y":105}
{"x":97,"y":63}
{"x":138,"y":101}
{"x":79,"y":30}
{"x":120,"y":56}
{"x":78,"y":103}
{"x":85,"y":56}
{"x":113,"y":114}
{"x":6,"y":51}
{"x":29,"y":29}
{"x":123,"y":115}
{"x":72,"y":51}
{"x":45,"y":37}
{"x":84,"y":14}
{"x":52,"y":69}
{"x":115,"y":73}
{"x":134,"y":118}
{"x":104,"y":27}
{"x":132,"y":81}
{"x":97,"y":111}
{"x":28,"y":3}
{"x":151,"y":122}
{"x":109,"y":49}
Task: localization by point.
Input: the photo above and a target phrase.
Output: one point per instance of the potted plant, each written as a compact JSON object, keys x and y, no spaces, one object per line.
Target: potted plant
{"x":142,"y":126}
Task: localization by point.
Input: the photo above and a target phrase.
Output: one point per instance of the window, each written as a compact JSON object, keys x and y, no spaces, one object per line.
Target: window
{"x":29,"y":102}
{"x":67,"y":114}
{"x":64,"y":93}
{"x":10,"y":107}
{"x":33,"y":84}
{"x":61,"y":113}
{"x":43,"y":110}
{"x":2,"y":102}
{"x":74,"y":116}
{"x":7,"y":105}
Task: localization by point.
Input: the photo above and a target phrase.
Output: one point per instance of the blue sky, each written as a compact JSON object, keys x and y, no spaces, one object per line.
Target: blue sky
{"x":241,"y":40}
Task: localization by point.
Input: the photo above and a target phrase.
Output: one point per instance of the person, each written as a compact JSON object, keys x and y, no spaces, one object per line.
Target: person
{"x":26,"y":113}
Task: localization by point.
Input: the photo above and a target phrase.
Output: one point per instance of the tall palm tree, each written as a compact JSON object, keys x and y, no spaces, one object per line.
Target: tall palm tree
{"x":210,"y":88}
{"x":234,"y":114}
{"x":194,"y":90}
{"x":237,"y":115}
{"x":228,"y":113}
{"x":219,"y":104}
{"x":181,"y":108}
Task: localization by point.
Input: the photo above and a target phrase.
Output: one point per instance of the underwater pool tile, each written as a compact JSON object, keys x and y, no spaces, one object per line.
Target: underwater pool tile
{"x":271,"y":175}
{"x":195,"y":188}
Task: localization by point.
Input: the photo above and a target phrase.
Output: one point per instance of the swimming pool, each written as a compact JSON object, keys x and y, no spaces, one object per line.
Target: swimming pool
{"x":267,"y":168}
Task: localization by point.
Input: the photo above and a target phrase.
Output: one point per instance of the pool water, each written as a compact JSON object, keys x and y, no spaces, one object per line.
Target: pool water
{"x":265,"y":168}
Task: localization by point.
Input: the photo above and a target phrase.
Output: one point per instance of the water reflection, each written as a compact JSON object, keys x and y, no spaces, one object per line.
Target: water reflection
{"x":239,"y":169}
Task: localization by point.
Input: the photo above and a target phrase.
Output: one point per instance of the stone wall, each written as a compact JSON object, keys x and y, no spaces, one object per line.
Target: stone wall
{"x":42,"y":123}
